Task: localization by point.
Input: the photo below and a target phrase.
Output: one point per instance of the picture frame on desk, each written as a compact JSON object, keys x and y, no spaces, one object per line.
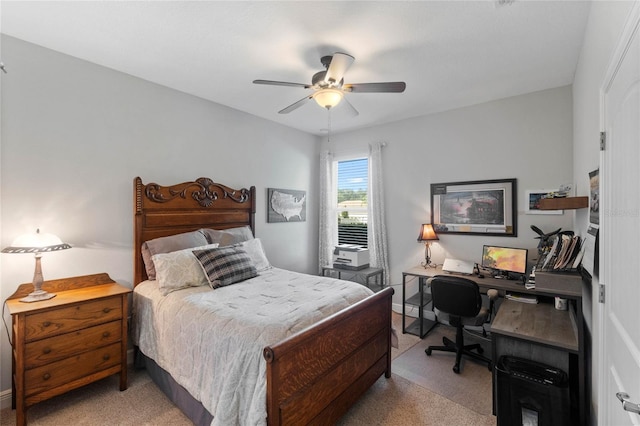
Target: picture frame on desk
{"x":483,"y":207}
{"x":532,"y":202}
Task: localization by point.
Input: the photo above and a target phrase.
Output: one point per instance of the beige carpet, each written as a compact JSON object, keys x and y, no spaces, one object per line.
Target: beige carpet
{"x":394,"y":401}
{"x":101,"y":403}
{"x":471,"y":388}
{"x":405,"y":341}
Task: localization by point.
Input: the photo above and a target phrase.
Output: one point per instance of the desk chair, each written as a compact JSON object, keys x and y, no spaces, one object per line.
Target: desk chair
{"x":461,"y":299}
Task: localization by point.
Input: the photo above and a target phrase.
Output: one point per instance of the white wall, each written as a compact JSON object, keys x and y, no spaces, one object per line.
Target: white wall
{"x":74,"y":135}
{"x":526,"y":137}
{"x":606,"y":21}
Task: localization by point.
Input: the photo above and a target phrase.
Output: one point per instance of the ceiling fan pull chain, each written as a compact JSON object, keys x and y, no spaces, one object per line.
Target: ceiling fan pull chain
{"x":329,"y":126}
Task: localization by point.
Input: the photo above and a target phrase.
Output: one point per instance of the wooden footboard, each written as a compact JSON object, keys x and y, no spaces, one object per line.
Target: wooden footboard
{"x":314,"y":376}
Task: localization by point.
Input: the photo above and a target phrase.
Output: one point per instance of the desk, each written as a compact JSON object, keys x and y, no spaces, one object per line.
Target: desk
{"x":537,"y":332}
{"x":500,"y":284}
{"x":542,"y":333}
{"x":364,"y":274}
{"x":421,"y":326}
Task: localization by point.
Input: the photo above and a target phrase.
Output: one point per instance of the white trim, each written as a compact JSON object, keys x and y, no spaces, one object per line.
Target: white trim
{"x":5,"y":399}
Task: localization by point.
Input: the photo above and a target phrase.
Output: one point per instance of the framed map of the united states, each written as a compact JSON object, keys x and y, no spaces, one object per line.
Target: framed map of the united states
{"x":286,"y":205}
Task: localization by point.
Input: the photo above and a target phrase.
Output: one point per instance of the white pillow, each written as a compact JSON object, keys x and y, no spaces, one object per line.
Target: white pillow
{"x":179,"y":269}
{"x":255,"y":251}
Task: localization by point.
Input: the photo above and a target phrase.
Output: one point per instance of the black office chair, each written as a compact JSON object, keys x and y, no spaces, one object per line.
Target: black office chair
{"x":459,"y":298}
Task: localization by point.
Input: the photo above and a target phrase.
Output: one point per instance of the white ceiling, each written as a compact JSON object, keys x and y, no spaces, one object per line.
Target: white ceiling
{"x":450,"y":53}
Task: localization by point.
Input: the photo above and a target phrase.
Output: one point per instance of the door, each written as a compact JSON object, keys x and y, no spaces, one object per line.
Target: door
{"x":619,"y":369}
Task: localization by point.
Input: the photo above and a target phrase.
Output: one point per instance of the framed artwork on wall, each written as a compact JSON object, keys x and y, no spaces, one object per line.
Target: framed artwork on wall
{"x":594,"y":197}
{"x":483,"y":207}
{"x":286,"y":205}
{"x":532,"y":202}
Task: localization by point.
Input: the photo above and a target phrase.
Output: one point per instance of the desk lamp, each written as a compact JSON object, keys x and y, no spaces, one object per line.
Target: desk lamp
{"x":427,"y":234}
{"x":36,"y":243}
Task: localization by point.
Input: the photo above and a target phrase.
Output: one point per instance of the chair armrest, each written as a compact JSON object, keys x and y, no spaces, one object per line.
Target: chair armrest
{"x":492,"y":294}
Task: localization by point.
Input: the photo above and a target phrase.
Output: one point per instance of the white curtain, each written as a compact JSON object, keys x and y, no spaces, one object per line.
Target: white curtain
{"x":328,"y":231}
{"x":377,"y":227}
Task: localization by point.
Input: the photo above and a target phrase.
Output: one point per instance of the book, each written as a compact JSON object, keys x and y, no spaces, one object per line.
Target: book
{"x":565,"y":253}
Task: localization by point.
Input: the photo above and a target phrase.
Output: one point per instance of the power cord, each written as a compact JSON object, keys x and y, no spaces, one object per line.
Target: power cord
{"x":4,"y":304}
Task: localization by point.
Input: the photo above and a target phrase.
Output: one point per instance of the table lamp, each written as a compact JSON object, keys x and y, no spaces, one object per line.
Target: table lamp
{"x":427,"y":234}
{"x":36,"y":243}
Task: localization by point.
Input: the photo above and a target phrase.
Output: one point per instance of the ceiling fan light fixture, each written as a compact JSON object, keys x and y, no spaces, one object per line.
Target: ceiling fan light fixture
{"x":328,"y":98}
{"x":329,"y":88}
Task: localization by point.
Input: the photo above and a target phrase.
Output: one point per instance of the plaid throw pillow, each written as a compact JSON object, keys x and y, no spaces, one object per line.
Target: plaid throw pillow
{"x":225,"y":265}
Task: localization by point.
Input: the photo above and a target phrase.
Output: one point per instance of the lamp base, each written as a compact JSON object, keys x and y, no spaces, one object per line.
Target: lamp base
{"x":427,"y":264}
{"x":37,"y":296}
{"x":427,"y":257}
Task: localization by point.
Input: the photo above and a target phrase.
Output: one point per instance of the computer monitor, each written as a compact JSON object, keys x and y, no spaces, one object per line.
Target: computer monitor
{"x":505,"y":259}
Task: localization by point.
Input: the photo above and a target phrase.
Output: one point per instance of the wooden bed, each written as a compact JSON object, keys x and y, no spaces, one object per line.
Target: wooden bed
{"x":314,"y":376}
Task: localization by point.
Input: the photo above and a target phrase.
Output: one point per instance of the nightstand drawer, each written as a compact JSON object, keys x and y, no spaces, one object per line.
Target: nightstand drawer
{"x":58,"y":347}
{"x":75,"y":317}
{"x":58,"y":373}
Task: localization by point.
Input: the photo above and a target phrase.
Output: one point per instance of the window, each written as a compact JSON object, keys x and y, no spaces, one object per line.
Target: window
{"x":353,"y":183}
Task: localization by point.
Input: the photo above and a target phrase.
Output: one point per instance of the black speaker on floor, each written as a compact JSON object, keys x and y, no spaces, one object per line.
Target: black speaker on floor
{"x":531,"y":393}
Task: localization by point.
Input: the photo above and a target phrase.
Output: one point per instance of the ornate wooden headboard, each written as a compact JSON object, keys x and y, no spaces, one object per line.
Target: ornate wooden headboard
{"x":160,"y":211}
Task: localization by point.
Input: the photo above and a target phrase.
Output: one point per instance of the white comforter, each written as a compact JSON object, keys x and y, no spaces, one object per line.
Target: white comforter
{"x":211,"y":341}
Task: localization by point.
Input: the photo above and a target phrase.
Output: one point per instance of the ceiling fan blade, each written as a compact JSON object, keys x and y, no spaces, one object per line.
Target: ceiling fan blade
{"x":295,"y":105}
{"x":388,"y":87}
{"x":340,"y":63}
{"x":281,"y":83}
{"x":349,"y":108}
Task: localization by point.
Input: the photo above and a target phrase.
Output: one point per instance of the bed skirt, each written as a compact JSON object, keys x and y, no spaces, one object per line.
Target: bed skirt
{"x":191,"y":407}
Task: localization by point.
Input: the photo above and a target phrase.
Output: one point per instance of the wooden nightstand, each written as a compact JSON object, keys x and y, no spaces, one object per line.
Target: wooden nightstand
{"x":76,"y":338}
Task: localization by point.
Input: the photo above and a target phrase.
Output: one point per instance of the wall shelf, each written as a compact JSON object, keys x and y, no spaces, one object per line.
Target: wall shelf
{"x":565,"y":203}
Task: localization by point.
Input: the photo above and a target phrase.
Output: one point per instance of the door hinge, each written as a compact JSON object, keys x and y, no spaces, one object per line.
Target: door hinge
{"x":601,"y":294}
{"x":603,"y":140}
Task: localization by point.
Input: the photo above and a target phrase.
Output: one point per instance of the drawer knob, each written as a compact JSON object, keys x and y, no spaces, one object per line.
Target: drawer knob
{"x":46,"y":350}
{"x":46,"y":324}
{"x":106,"y":357}
{"x":46,"y":376}
{"x":106,"y":334}
{"x":106,"y":310}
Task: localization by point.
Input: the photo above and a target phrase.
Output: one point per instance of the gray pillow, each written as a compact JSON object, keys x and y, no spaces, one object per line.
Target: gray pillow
{"x":168,"y":245}
{"x":225,"y":265}
{"x":227,"y":237}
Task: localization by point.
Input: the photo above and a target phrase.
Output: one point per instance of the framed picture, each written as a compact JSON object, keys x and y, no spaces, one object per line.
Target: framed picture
{"x":594,"y":197}
{"x":286,"y":205}
{"x":532,"y":202}
{"x":484,"y":207}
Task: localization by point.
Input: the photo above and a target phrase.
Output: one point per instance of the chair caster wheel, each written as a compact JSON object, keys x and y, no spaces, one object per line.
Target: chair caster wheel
{"x":428,"y":351}
{"x":456,"y":369}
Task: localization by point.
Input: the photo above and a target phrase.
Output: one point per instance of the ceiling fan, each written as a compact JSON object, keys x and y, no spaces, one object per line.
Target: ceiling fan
{"x":329,"y":88}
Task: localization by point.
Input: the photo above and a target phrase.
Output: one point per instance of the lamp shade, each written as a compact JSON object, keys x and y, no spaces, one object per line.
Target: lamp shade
{"x":427,"y":233}
{"x":35,"y":243}
{"x":328,"y":98}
